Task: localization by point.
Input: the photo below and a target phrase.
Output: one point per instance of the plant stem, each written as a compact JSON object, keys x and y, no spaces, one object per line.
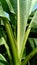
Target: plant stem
{"x":12,"y":42}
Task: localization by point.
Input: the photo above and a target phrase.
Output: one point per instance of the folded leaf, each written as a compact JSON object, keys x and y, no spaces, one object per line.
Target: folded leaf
{"x":3,"y":61}
{"x":24,"y":9}
{"x":10,"y":6}
{"x":34,"y":19}
{"x":3,"y":14}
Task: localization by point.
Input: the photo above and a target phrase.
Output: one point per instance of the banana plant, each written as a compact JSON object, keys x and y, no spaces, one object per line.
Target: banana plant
{"x":14,"y":17}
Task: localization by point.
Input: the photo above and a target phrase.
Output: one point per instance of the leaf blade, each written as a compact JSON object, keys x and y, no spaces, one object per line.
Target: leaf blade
{"x":27,"y":32}
{"x":3,"y":61}
{"x":23,"y":11}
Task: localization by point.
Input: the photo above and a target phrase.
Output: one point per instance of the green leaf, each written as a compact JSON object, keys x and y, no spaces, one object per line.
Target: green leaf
{"x":14,"y":2}
{"x":35,"y":41}
{"x":3,"y":14}
{"x":10,"y":6}
{"x":3,"y":42}
{"x":4,"y":5}
{"x":34,"y":25}
{"x":24,"y":9}
{"x":31,"y":41}
{"x":34,"y":19}
{"x":33,"y":52}
{"x":3,"y":61}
